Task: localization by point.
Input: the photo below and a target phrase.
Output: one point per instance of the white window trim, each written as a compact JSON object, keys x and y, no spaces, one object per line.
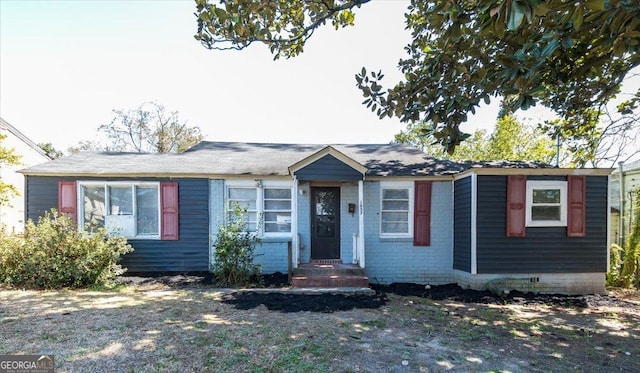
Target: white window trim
{"x":397,"y":185}
{"x":260,"y":186}
{"x":105,"y":184}
{"x":547,"y":184}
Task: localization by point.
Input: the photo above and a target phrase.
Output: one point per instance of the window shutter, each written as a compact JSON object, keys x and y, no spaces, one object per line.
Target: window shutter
{"x":169,"y":210}
{"x":422,"y":214}
{"x":516,"y":205}
{"x":576,"y":196}
{"x":67,"y":200}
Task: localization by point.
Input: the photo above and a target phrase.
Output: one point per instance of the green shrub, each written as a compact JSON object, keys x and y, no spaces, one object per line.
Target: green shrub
{"x":234,"y":252}
{"x":54,"y":254}
{"x":615,"y":265}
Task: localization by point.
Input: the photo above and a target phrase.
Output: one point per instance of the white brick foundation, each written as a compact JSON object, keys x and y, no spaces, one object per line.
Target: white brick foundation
{"x":560,"y":283}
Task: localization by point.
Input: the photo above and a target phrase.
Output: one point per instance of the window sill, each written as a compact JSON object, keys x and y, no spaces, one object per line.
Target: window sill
{"x":395,"y":239}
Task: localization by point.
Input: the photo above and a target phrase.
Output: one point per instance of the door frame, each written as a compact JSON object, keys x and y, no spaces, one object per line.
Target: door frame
{"x":312,"y":216}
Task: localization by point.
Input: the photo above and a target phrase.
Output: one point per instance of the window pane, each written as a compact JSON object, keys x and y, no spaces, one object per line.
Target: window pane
{"x":395,"y":194}
{"x":244,"y":205}
{"x":545,"y":213}
{"x":395,"y":227}
{"x":277,"y":193}
{"x":395,"y":205}
{"x":277,"y":205}
{"x":147,"y":210}
{"x":249,"y":218}
{"x":546,"y":196}
{"x":242,"y":193}
{"x":395,"y":217}
{"x":121,"y":200}
{"x":93,"y":206}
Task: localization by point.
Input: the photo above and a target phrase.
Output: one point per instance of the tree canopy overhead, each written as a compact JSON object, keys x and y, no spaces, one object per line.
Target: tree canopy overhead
{"x":570,"y":56}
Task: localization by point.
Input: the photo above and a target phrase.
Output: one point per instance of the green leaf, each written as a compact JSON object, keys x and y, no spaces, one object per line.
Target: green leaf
{"x":516,"y":16}
{"x":594,"y":4}
{"x":578,"y":17}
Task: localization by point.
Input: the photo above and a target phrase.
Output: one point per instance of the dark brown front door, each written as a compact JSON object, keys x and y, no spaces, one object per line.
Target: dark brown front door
{"x":325,"y":223}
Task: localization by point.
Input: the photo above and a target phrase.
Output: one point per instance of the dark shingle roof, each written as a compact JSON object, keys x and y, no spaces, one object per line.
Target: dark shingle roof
{"x":234,"y":158}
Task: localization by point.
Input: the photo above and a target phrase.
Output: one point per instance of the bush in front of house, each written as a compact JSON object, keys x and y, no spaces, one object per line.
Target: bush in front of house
{"x":233,"y":251}
{"x":52,"y":253}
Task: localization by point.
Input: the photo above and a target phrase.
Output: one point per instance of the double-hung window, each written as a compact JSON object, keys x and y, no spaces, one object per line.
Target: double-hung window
{"x":546,"y":203}
{"x":129,"y":209}
{"x":396,"y":212}
{"x":266,"y":207}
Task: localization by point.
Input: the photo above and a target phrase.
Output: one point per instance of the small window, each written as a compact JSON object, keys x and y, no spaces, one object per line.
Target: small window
{"x":267,"y":207}
{"x":546,"y":203}
{"x":246,"y":199}
{"x":396,"y":211}
{"x":277,"y":210}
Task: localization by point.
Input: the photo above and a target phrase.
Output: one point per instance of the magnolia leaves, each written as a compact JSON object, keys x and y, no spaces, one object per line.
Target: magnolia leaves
{"x":283,"y":25}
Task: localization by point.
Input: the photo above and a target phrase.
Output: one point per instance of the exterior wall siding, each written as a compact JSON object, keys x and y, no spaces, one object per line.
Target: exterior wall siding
{"x":304,"y":222}
{"x":544,"y":249}
{"x":348,"y":222}
{"x":462,"y":225}
{"x":328,"y":168}
{"x":397,"y":260}
{"x":41,"y":194}
{"x":189,"y":253}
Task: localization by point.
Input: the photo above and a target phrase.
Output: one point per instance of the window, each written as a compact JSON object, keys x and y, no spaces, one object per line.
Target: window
{"x":546,"y":203}
{"x":130,"y":209}
{"x":277,"y":210}
{"x":268,"y":208}
{"x":396,"y":210}
{"x":246,"y":199}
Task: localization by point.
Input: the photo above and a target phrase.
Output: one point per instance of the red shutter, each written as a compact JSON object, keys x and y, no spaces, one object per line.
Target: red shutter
{"x":67,"y":200}
{"x":169,"y":210}
{"x":576,"y":196}
{"x":516,"y":205}
{"x":422,"y":214}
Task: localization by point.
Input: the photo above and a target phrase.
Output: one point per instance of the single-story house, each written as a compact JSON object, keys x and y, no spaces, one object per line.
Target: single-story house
{"x":390,"y":209}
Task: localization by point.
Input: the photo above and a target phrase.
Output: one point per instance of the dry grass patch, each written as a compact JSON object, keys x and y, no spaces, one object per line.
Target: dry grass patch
{"x":151,"y":329}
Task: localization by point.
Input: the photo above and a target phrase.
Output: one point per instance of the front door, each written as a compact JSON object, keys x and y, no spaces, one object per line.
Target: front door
{"x":325,"y":223}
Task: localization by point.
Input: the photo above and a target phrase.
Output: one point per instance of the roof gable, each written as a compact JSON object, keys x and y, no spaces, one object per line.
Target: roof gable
{"x":11,"y":129}
{"x":328,"y":153}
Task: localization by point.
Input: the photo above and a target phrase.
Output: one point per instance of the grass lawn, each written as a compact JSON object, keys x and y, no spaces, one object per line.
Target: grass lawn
{"x":157,"y":328}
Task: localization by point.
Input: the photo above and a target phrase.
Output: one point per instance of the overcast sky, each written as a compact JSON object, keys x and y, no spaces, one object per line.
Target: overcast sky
{"x":65,"y":65}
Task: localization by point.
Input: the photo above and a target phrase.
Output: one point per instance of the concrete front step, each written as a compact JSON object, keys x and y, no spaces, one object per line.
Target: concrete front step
{"x":328,"y":270}
{"x":329,"y":281}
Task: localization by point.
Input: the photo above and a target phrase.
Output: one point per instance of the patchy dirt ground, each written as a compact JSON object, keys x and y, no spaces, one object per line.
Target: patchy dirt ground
{"x":184,"y":324}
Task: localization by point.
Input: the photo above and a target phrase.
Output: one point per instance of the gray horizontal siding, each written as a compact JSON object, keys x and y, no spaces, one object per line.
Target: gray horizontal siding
{"x":328,"y":168}
{"x":41,"y":195}
{"x":462,"y":225}
{"x":544,"y":249}
{"x":189,"y":253}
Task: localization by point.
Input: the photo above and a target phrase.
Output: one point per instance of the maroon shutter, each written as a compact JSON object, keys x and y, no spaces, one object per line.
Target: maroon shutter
{"x":576,"y":195}
{"x":516,"y":205}
{"x":67,"y":199}
{"x":422,"y":214}
{"x":169,"y":210}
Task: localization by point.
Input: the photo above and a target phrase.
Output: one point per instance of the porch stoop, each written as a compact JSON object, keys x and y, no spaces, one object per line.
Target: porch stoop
{"x":328,"y":274}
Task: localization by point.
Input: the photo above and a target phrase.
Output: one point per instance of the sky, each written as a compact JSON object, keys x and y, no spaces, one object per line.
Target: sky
{"x":65,"y":65}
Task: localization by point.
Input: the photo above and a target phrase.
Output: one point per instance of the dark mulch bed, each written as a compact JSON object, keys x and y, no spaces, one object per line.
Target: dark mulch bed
{"x":193,"y":279}
{"x":454,"y":292}
{"x":332,"y":302}
{"x":288,"y":303}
